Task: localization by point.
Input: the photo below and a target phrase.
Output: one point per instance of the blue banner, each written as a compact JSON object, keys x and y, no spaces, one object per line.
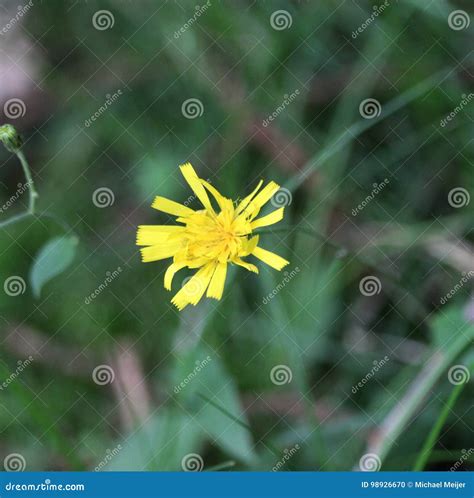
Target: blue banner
{"x":237,"y":484}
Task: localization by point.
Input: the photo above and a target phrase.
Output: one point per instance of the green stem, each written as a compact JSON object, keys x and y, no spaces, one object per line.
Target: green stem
{"x":33,"y":195}
{"x":425,"y":453}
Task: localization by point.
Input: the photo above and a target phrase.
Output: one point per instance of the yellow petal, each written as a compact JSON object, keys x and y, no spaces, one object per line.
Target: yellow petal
{"x":160,"y":251}
{"x":269,"y":219}
{"x":194,"y":289}
{"x":171,"y":207}
{"x":196,"y":185}
{"x":170,"y":273}
{"x":270,"y":258}
{"x":245,"y":202}
{"x":248,"y":245}
{"x":216,"y":287}
{"x":220,"y":199}
{"x":149,"y":235}
{"x":260,"y":199}
{"x":244,"y":264}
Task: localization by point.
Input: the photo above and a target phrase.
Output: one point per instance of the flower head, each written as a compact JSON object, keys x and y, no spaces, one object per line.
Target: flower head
{"x":209,"y":239}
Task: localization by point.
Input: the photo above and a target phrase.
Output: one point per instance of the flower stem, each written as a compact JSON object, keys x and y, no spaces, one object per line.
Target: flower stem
{"x":33,"y":195}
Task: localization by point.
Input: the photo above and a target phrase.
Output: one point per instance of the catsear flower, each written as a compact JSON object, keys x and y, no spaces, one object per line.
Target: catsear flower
{"x":209,"y":239}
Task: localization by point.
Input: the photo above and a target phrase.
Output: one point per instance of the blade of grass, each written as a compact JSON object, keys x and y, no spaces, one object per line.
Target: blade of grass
{"x":428,"y":446}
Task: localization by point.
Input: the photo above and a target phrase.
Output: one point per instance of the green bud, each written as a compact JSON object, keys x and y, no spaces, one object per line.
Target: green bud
{"x":11,"y":138}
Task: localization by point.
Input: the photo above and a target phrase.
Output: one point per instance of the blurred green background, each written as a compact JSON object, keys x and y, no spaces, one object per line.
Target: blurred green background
{"x":359,"y":355}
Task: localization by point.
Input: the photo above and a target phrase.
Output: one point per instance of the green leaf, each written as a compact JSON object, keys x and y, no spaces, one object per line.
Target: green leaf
{"x":52,"y":259}
{"x":159,"y":444}
{"x":204,"y":376}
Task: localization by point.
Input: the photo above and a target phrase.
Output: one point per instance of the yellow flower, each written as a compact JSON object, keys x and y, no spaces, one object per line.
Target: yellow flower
{"x":209,"y":239}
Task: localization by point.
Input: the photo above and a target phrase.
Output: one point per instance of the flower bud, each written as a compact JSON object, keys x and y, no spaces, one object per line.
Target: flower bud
{"x":10,"y":137}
